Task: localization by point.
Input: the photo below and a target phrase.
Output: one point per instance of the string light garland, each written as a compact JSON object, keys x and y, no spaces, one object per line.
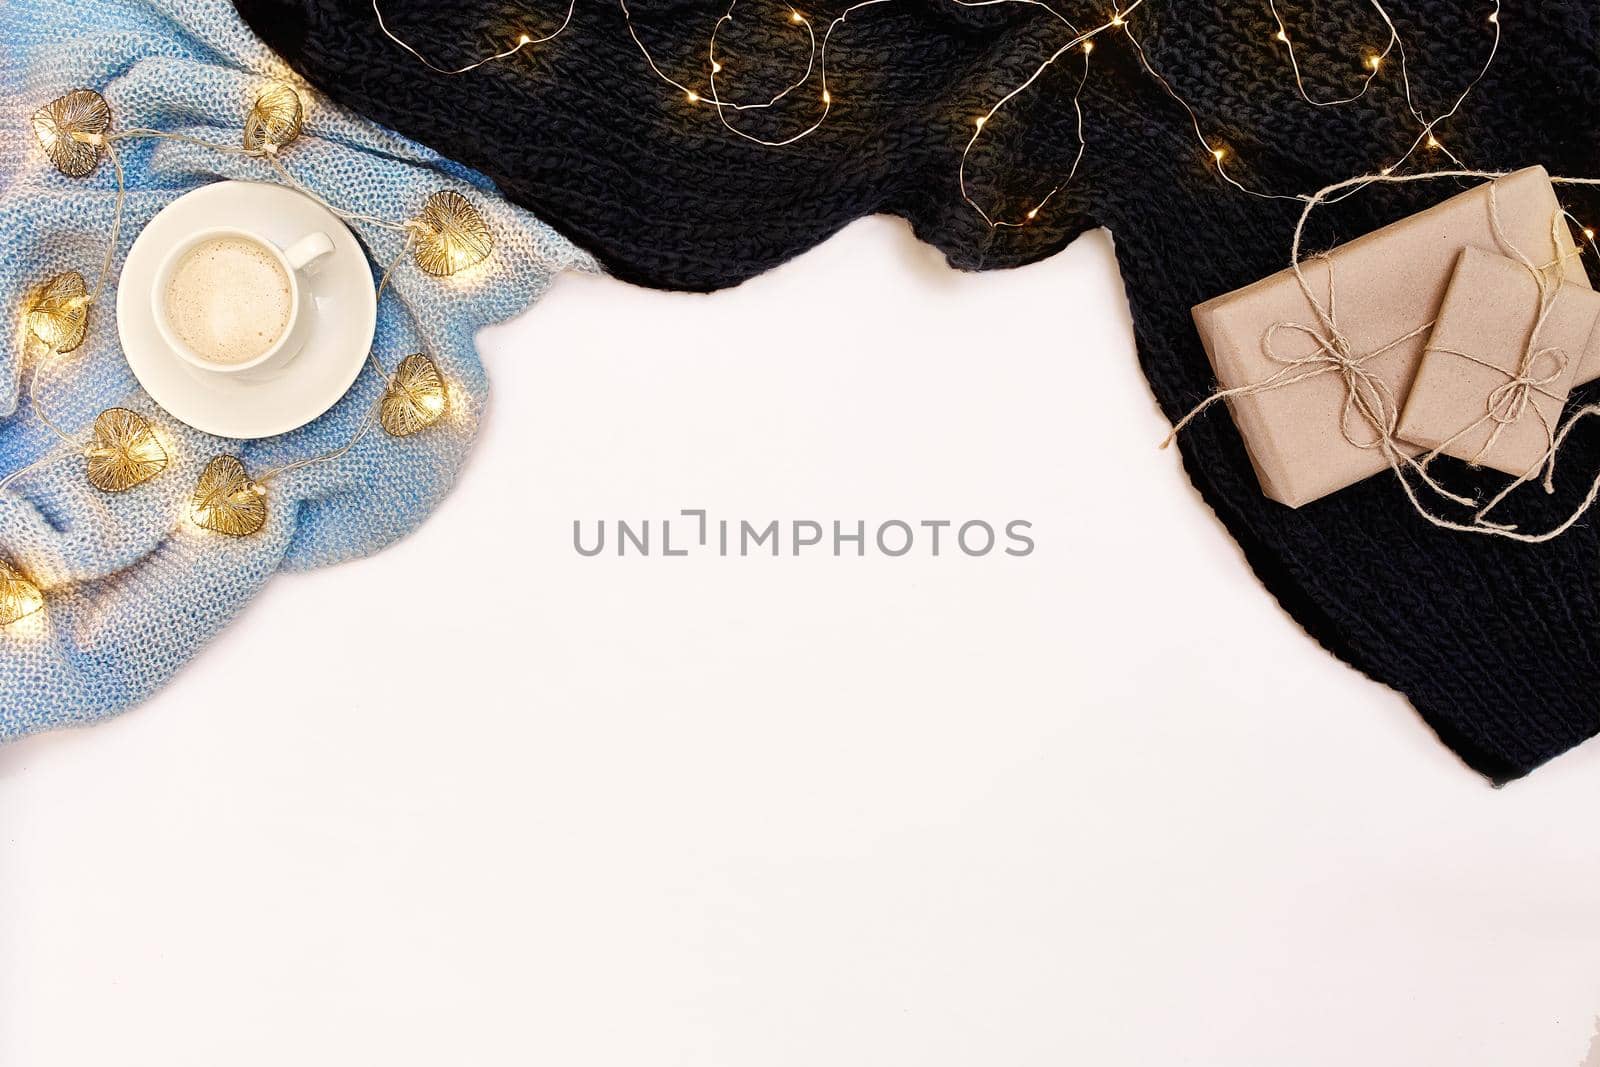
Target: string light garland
{"x":1082,"y":42}
{"x":1216,"y":155}
{"x":123,"y":449}
{"x":818,"y":60}
{"x":1373,"y":61}
{"x":522,"y":41}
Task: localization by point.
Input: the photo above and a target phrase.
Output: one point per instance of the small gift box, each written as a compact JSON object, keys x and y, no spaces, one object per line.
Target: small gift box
{"x":1318,"y":364}
{"x":1491,"y":387}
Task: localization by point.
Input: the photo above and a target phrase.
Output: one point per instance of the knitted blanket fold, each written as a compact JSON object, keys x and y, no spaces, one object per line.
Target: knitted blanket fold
{"x":1495,"y":644}
{"x":134,"y":589}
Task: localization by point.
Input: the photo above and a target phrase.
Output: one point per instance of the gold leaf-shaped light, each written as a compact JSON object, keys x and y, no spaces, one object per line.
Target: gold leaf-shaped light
{"x":274,"y":118}
{"x":19,"y":597}
{"x":416,"y":397}
{"x":72,"y":130}
{"x":58,"y":311}
{"x":226,"y":500}
{"x":451,"y":235}
{"x":125,"y":452}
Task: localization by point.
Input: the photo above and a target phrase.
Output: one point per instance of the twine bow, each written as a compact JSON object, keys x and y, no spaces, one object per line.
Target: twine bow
{"x":1367,"y":398}
{"x":1510,"y":401}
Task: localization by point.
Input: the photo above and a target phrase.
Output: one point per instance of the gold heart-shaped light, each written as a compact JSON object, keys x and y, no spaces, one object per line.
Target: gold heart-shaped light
{"x":72,"y":130}
{"x":226,"y":501}
{"x":58,"y":311}
{"x":125,"y":451}
{"x":416,"y":398}
{"x":450,"y":234}
{"x":274,"y":119}
{"x":19,"y":597}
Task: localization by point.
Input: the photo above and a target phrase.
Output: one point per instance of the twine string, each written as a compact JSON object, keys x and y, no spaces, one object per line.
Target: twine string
{"x":1368,"y":400}
{"x":1510,"y":401}
{"x":1370,"y":403}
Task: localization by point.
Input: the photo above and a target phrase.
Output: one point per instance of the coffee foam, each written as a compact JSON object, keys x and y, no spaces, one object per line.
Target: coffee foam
{"x":228,"y":300}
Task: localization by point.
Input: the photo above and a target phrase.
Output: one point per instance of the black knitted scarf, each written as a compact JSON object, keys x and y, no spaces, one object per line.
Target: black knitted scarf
{"x":1496,"y":644}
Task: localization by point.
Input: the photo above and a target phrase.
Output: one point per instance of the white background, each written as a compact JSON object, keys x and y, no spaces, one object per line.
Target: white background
{"x":1102,"y":805}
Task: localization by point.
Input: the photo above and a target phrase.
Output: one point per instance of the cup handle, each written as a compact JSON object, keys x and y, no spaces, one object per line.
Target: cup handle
{"x":307,"y":250}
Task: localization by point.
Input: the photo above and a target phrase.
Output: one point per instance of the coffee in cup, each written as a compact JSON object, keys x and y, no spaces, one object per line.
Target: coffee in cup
{"x":228,"y":300}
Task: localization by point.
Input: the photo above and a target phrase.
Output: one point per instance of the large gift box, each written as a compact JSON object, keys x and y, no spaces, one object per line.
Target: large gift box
{"x":1384,"y":290}
{"x":1496,"y":373}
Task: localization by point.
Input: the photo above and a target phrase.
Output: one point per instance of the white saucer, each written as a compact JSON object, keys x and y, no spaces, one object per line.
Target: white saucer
{"x":343,"y":307}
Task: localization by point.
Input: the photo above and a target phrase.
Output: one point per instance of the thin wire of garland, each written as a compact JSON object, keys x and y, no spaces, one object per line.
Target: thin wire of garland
{"x":376,"y":406}
{"x":1082,"y":41}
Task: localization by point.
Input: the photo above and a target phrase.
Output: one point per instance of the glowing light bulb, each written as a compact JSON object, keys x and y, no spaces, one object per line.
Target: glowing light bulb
{"x":1033,"y":214}
{"x":716,"y":68}
{"x":1588,"y":233}
{"x":827,"y":97}
{"x":275,"y":119}
{"x":57,"y":312}
{"x":225,"y":499}
{"x":1433,"y":142}
{"x":1374,"y":62}
{"x":796,"y":17}
{"x":450,"y":235}
{"x":1088,"y":46}
{"x":1281,"y":36}
{"x":19,"y":597}
{"x":71,"y":131}
{"x":1218,"y":154}
{"x":980,"y":121}
{"x":416,"y":398}
{"x":124,"y":452}
{"x":692,"y":96}
{"x":524,"y":39}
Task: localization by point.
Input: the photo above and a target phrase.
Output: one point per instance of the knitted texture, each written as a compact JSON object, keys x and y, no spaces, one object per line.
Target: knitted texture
{"x":133,"y":588}
{"x":1495,"y":644}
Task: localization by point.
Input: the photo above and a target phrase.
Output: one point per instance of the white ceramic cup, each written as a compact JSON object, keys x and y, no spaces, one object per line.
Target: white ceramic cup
{"x":297,"y":258}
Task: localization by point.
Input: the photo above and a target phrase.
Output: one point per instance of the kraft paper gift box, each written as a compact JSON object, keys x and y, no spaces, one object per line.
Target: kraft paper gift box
{"x":1388,"y":284}
{"x":1464,"y":400}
